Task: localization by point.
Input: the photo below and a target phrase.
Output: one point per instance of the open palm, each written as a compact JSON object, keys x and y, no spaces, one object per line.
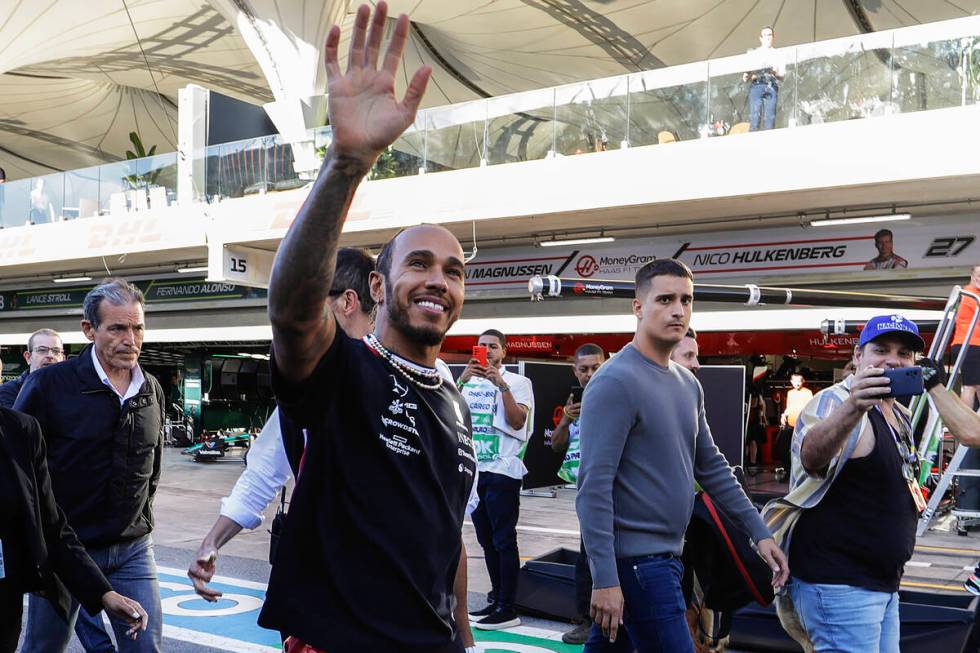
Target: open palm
{"x":365,"y":115}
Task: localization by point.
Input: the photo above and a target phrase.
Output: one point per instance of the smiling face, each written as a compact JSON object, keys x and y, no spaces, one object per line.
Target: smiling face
{"x":796,"y":381}
{"x":119,"y":337}
{"x":664,"y":311}
{"x":422,"y":295}
{"x":886,"y":352}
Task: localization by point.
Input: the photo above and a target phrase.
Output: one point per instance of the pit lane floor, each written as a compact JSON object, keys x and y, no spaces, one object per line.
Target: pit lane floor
{"x":187,"y":503}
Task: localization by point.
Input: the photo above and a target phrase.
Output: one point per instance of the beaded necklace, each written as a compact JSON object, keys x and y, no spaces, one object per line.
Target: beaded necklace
{"x":423,"y":378}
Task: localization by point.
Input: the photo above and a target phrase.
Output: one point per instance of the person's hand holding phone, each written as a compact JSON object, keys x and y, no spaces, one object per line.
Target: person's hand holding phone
{"x":869,"y":387}
{"x":477,"y":366}
{"x":573,"y":407}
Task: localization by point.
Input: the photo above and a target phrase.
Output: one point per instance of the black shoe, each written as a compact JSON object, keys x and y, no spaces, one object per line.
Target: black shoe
{"x":579,"y":634}
{"x":499,"y":619}
{"x":484,"y":612}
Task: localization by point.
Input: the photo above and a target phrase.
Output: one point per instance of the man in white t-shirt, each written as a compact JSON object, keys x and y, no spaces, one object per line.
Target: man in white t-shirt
{"x":768,"y":71}
{"x":501,"y":404}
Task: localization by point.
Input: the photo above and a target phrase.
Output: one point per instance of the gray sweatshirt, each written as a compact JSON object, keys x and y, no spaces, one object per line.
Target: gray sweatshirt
{"x":644,"y":443}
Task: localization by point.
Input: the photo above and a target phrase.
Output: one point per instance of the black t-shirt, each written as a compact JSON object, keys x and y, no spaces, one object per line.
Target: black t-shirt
{"x":863,"y":531}
{"x":369,"y":552}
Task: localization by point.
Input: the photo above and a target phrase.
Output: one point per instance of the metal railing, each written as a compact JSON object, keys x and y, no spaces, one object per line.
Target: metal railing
{"x":920,"y":68}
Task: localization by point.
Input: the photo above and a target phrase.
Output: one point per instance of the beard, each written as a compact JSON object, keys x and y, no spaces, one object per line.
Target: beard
{"x":429,"y":336}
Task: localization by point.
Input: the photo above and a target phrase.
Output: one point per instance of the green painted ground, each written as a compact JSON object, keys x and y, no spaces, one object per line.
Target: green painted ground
{"x":504,"y":642}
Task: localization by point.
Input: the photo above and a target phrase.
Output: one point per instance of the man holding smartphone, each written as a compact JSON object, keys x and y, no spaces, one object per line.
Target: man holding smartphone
{"x":854,"y":501}
{"x":500,"y":404}
{"x":565,"y":439}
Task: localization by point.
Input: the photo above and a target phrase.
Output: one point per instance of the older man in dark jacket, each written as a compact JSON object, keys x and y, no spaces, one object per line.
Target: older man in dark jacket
{"x":102,"y":420}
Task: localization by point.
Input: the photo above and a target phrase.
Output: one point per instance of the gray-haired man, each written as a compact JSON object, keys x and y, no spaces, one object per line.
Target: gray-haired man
{"x":102,"y":419}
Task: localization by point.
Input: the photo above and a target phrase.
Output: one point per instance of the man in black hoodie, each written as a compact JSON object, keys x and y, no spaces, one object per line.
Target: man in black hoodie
{"x":102,"y":419}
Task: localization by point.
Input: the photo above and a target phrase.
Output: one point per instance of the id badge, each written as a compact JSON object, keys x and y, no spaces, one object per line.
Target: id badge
{"x":3,"y":574}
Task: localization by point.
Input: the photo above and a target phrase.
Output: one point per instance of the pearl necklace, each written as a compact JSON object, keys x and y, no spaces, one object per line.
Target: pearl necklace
{"x":425,"y":379}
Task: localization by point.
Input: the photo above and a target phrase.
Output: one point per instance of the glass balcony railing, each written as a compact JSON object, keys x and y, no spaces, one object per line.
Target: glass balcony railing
{"x":931,"y":66}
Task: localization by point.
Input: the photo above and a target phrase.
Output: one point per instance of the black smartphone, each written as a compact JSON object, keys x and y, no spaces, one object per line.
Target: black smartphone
{"x":905,"y":381}
{"x":577,"y":391}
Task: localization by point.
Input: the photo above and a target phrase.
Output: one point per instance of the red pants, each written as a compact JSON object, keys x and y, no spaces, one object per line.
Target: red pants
{"x":293,"y":645}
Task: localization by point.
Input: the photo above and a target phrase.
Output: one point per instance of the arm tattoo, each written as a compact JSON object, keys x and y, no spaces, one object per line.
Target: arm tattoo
{"x":304,"y":265}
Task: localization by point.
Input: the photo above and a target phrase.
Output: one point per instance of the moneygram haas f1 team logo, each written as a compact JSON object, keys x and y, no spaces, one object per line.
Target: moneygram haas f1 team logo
{"x":586,"y":266}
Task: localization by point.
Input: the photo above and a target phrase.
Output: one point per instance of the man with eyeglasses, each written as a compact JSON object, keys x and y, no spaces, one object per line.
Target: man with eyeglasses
{"x":43,"y":348}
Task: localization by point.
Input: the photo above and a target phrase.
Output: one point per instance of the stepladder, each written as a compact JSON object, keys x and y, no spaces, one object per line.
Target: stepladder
{"x":931,"y":445}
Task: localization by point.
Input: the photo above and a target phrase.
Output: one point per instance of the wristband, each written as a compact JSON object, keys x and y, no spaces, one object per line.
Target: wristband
{"x":504,"y":388}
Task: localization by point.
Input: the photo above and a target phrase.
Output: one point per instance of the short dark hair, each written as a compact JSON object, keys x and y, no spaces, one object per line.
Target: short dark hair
{"x":767,"y":27}
{"x":384,"y":257}
{"x":589,"y":349}
{"x":501,"y":338}
{"x":354,"y":267}
{"x":691,"y":333}
{"x":383,"y":264}
{"x":3,"y":175}
{"x":661,"y":267}
{"x":884,"y":232}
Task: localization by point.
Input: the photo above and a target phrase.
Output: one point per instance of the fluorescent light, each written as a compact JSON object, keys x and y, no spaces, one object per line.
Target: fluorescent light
{"x":858,"y":220}
{"x":203,"y":268}
{"x":576,"y":241}
{"x":71,"y":279}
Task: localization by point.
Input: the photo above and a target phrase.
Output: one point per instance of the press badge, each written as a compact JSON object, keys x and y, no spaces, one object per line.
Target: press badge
{"x":2,"y":572}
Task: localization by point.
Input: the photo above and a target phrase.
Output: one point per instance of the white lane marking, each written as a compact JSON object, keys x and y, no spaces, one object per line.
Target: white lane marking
{"x":531,"y":631}
{"x":536,"y":529}
{"x":915,"y":563}
{"x":216,"y":641}
{"x":227,"y":580}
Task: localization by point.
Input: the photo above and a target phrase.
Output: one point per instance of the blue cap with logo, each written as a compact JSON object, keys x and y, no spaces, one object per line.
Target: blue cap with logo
{"x":881,"y":325}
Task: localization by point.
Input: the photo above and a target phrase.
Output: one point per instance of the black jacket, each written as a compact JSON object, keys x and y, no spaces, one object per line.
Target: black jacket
{"x":10,"y":390}
{"x":57,"y":559}
{"x":104,"y":458}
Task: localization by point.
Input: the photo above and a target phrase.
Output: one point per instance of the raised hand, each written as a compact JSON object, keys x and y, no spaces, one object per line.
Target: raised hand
{"x":365,"y":115}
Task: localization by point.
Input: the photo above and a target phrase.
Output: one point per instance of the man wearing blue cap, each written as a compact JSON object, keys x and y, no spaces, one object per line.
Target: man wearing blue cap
{"x":848,"y":523}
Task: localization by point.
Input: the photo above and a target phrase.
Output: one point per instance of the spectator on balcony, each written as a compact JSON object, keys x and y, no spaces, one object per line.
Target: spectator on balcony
{"x":764,"y":91}
{"x":41,"y":208}
{"x":887,"y":259}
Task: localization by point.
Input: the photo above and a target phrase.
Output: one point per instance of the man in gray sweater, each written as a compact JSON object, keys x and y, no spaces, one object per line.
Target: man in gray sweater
{"x":649,"y":442}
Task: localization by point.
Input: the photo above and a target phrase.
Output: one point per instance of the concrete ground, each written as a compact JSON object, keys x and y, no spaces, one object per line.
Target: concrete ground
{"x":187,"y":504}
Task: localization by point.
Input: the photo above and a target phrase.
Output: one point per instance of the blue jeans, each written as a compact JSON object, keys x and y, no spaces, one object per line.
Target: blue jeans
{"x":762,"y":104}
{"x":654,"y":609}
{"x":132,"y":571}
{"x":846,"y":619}
{"x":495,"y":521}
